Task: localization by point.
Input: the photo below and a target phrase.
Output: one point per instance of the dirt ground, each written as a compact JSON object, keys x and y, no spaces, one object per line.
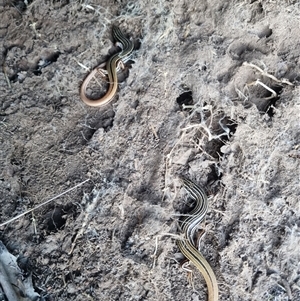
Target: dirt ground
{"x":212,"y":94}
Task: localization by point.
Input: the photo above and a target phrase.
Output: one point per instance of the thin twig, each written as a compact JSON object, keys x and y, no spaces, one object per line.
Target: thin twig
{"x":264,"y":73}
{"x":40,"y":205}
{"x":258,"y":82}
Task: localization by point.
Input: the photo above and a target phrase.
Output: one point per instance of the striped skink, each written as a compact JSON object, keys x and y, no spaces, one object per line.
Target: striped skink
{"x":112,"y":64}
{"x":186,"y":245}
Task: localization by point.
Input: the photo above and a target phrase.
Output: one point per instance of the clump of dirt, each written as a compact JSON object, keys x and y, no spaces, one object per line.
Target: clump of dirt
{"x":213,"y":93}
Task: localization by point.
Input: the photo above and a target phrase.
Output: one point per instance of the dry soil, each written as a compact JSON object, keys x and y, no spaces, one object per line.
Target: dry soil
{"x":212,"y":94}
